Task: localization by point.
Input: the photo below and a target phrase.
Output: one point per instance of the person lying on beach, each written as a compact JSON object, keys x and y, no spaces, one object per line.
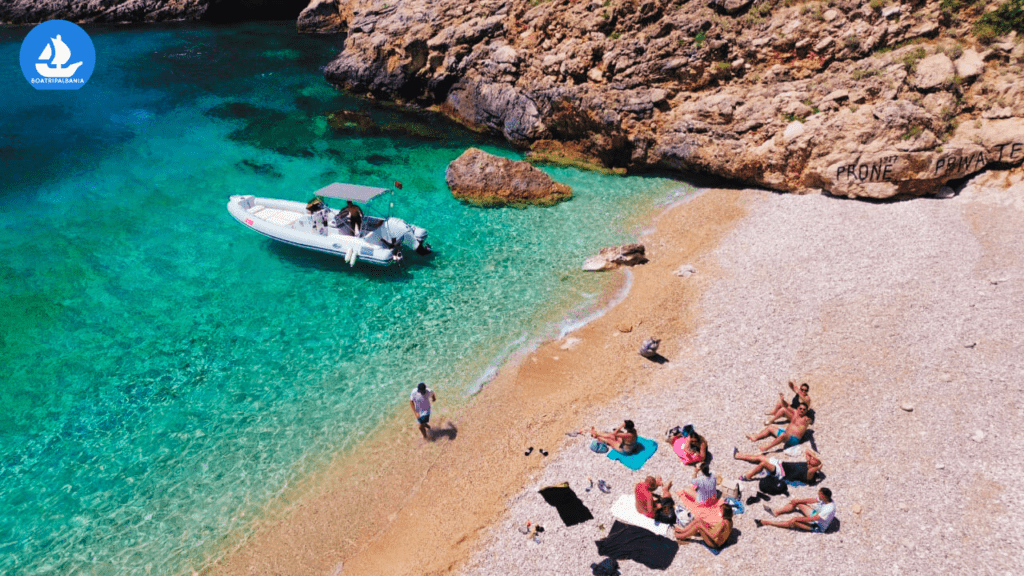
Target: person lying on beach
{"x":704,"y":489}
{"x":802,"y":471}
{"x":791,"y":435}
{"x":691,"y":449}
{"x":788,"y":411}
{"x":648,"y":503}
{"x":623,"y":438}
{"x":817,"y":513}
{"x":714,"y":535}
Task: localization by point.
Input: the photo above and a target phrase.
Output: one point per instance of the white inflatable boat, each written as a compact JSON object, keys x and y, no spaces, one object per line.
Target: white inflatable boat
{"x":344,"y":232}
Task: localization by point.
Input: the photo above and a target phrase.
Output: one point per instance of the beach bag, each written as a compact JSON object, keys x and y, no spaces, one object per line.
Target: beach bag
{"x":607,"y":567}
{"x":598,"y":446}
{"x":772,"y":485}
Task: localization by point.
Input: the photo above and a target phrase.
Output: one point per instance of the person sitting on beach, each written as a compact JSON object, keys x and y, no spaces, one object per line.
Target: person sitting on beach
{"x":691,"y":448}
{"x":623,"y":438}
{"x":704,"y":489}
{"x":788,"y":411}
{"x":800,"y":471}
{"x":648,"y":503}
{"x":791,"y":435}
{"x":817,"y":513}
{"x":714,"y":535}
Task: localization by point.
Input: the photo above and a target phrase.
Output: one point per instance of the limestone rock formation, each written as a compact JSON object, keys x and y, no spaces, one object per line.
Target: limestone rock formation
{"x":484,"y":179}
{"x":844,"y":99}
{"x":321,"y":17}
{"x":615,"y":256}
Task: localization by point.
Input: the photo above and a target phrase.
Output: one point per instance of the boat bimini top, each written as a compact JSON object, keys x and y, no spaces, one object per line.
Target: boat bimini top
{"x":351,"y":192}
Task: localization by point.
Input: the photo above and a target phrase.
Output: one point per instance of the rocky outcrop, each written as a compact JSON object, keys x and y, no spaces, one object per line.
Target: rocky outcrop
{"x":849,"y":100}
{"x":616,"y":256}
{"x":321,"y":17}
{"x":483,"y":179}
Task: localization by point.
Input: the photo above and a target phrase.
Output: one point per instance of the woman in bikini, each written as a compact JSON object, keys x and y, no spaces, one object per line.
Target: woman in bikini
{"x":692,"y":449}
{"x":787,"y":411}
{"x":714,"y":535}
{"x":623,"y":438}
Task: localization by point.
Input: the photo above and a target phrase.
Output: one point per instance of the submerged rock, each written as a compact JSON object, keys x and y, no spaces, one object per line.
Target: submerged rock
{"x":484,"y":179}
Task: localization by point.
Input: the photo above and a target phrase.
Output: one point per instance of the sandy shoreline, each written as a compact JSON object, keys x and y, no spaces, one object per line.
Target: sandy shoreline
{"x":877,"y":306}
{"x":400,"y":507}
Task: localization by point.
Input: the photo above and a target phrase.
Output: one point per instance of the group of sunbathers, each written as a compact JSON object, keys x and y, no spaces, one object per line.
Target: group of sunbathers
{"x":715,"y":529}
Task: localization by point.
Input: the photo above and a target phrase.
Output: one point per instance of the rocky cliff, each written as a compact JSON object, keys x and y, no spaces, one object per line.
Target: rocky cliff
{"x":860,"y":98}
{"x":852,"y":97}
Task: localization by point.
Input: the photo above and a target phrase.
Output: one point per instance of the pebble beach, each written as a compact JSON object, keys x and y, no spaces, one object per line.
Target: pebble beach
{"x":903,"y":318}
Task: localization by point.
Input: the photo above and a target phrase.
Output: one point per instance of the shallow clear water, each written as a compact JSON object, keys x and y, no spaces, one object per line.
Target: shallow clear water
{"x":168,"y":372}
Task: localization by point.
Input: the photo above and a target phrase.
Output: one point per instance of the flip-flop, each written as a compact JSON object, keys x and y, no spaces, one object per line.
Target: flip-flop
{"x":603,"y":486}
{"x":528,"y":451}
{"x":591,"y":487}
{"x":543,"y":452}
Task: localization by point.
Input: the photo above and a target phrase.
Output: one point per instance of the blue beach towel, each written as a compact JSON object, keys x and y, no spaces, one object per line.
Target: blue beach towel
{"x":637,"y":459}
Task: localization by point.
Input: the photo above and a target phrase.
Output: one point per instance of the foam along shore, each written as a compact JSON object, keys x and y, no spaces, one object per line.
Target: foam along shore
{"x":398,"y":506}
{"x":903,"y":318}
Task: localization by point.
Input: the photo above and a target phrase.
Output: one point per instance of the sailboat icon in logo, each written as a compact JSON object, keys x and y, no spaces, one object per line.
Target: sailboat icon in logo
{"x":60,"y":54}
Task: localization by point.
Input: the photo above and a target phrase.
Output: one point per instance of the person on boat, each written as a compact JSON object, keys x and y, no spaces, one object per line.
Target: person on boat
{"x":715,"y":535}
{"x":818,"y":513}
{"x":787,"y":411}
{"x":623,"y":438}
{"x":315,"y":205}
{"x":352,"y":216}
{"x":420,"y":400}
{"x":791,"y":435}
{"x":801,"y":471}
{"x":691,"y":447}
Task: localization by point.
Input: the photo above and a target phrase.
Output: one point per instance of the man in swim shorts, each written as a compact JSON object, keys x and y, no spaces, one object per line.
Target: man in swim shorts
{"x":420,"y":402}
{"x":791,"y":435}
{"x":817,"y":513}
{"x":799,"y":471}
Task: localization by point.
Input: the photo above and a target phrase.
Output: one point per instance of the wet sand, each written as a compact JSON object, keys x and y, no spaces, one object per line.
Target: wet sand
{"x":401,"y":506}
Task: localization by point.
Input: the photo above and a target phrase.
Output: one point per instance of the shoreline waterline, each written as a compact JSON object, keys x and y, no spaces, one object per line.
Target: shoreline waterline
{"x":455,"y":487}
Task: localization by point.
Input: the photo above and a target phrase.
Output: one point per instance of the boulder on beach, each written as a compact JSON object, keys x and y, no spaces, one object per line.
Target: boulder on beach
{"x":484,"y":179}
{"x":615,"y":256}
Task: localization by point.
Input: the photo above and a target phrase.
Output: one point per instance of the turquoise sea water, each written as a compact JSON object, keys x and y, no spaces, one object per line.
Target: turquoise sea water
{"x":166,"y":372}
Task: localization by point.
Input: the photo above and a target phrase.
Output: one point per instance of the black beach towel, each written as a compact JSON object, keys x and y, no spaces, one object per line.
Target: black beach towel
{"x":570,"y":508}
{"x":626,"y":542}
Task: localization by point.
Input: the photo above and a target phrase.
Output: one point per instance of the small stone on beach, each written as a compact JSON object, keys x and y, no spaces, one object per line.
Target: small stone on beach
{"x":685,"y":270}
{"x":940,"y":466}
{"x":978,"y":436}
{"x":624,"y":327}
{"x":907,"y":406}
{"x":857,"y":508}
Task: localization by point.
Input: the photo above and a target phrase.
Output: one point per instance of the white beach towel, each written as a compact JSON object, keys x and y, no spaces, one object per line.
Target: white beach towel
{"x":625,"y":509}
